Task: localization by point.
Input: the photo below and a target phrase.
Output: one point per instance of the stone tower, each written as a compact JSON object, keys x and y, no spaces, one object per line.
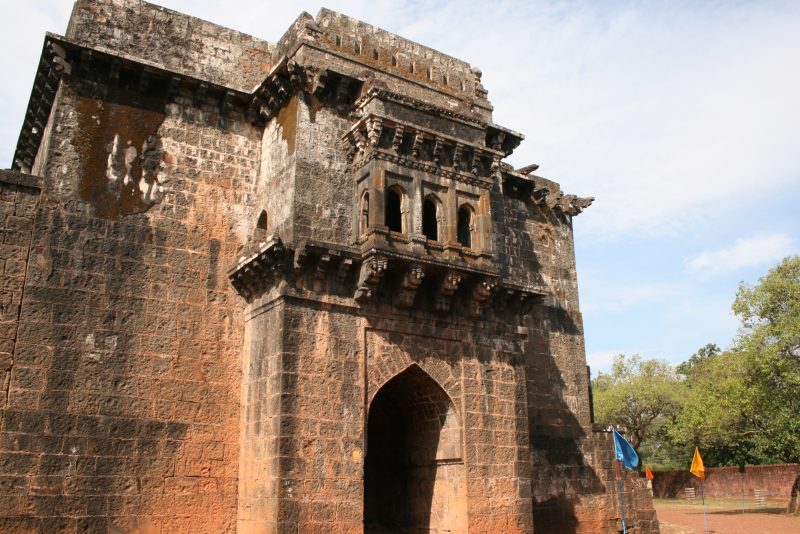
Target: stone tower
{"x":286,"y":287}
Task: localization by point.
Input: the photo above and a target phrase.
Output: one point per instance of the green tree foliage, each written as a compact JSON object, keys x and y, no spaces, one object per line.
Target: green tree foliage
{"x":698,"y":358}
{"x":743,"y":404}
{"x":769,"y":343}
{"x":640,"y":395}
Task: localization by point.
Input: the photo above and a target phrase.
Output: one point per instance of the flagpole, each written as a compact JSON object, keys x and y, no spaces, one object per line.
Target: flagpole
{"x":621,"y":499}
{"x":703,"y":500}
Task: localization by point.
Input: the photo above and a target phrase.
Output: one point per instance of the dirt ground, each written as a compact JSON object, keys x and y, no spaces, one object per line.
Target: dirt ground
{"x":725,"y":517}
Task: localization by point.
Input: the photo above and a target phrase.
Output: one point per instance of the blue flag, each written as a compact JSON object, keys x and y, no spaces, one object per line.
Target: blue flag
{"x":624,"y":451}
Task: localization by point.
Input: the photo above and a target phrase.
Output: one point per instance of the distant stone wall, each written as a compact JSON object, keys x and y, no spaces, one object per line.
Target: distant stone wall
{"x":776,"y":480}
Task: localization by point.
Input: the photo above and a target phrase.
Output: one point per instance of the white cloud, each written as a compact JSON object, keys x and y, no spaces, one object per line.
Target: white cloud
{"x":671,"y":114}
{"x":747,"y":252}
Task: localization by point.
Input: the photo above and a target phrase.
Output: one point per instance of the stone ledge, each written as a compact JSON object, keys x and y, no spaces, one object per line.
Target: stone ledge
{"x":28,"y":181}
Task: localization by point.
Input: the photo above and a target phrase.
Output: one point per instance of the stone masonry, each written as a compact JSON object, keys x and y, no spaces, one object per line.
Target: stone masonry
{"x":286,"y":287}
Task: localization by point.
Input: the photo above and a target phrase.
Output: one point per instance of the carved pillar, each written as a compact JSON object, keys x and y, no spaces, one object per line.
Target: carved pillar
{"x":451,"y":214}
{"x":377,"y":200}
{"x":484,"y":224}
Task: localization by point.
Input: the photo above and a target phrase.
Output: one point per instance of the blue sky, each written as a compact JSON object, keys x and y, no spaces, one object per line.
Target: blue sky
{"x":681,"y":118}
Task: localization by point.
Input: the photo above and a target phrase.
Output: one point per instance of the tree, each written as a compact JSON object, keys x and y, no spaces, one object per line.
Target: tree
{"x":717,"y":411}
{"x":770,"y":343}
{"x":743,"y":404}
{"x":640,"y":395}
{"x":698,"y":358}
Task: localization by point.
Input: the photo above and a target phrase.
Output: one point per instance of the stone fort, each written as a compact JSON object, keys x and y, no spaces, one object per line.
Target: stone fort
{"x":286,"y":287}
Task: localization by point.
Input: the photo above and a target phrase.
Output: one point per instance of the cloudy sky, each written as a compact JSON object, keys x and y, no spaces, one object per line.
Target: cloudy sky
{"x":681,"y":118}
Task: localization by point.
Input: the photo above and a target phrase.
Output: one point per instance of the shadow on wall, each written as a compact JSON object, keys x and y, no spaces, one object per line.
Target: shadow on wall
{"x":98,"y":317}
{"x":559,"y":443}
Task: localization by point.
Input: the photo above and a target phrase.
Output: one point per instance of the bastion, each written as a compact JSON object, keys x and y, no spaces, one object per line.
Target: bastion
{"x":286,"y":287}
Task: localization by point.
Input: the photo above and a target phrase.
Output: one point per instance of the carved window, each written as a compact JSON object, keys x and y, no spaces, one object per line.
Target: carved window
{"x":430,"y":218}
{"x":394,"y":209}
{"x":363,"y":214}
{"x":466,"y":225}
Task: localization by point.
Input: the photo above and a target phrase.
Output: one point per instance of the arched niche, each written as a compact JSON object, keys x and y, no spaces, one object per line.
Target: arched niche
{"x":414,"y":478}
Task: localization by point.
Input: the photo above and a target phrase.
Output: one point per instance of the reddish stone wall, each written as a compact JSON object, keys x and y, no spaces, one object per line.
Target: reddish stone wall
{"x":19,"y":196}
{"x":123,"y":399}
{"x":776,"y":480}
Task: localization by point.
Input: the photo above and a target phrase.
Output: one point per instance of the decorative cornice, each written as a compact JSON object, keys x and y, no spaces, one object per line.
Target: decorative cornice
{"x":538,"y":190}
{"x":286,"y":78}
{"x":474,"y":288}
{"x":418,"y":105}
{"x":377,"y":137}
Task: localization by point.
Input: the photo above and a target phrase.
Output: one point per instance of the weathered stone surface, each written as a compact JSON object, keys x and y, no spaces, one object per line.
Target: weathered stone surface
{"x":286,"y":287}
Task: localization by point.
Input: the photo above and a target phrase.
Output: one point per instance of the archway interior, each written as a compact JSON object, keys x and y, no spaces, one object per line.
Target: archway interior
{"x":413,"y":472}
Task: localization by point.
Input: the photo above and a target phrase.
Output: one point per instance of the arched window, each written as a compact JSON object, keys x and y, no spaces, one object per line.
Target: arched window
{"x":363,"y":214}
{"x":466,"y":225}
{"x":394,"y":209}
{"x":430,"y":219}
{"x":260,"y":231}
{"x":261,"y":224}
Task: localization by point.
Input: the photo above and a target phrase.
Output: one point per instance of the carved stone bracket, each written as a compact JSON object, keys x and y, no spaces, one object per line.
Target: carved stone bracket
{"x":481,"y":291}
{"x":518,"y":298}
{"x":276,"y":90}
{"x":526,"y":186}
{"x":253,"y":274}
{"x":405,"y":293}
{"x":397,"y":139}
{"x":374,"y":129}
{"x":447,"y":285}
{"x":372,"y":270}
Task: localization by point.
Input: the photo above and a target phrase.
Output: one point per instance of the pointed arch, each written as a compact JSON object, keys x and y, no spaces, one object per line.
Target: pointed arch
{"x":262,"y":221}
{"x":395,"y":209}
{"x":465,"y":230}
{"x":431,"y":217}
{"x":414,"y":476}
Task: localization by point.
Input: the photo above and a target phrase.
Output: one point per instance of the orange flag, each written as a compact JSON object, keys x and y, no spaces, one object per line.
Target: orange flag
{"x":648,"y":473}
{"x":697,"y":465}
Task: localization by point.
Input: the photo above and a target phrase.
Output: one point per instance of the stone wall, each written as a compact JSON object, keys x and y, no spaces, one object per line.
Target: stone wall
{"x":775,"y":480}
{"x":172,"y":41}
{"x":19,"y":197}
{"x":123,"y":401}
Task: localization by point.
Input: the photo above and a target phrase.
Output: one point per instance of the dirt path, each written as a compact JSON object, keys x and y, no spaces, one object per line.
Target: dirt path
{"x":680,"y":518}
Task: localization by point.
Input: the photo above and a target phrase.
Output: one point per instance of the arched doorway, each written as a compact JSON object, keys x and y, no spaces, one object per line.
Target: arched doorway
{"x":414,"y":477}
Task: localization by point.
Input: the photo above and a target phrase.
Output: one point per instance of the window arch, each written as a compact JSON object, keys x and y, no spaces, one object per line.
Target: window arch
{"x":261,"y":224}
{"x":430,"y":218}
{"x":260,"y":231}
{"x":466,"y":225}
{"x":363,"y":214}
{"x":395,"y":198}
